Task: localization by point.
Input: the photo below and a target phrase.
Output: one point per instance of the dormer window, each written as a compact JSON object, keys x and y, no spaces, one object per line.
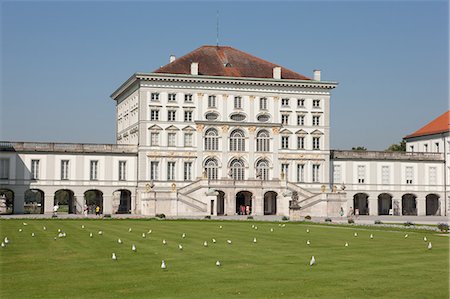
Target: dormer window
{"x":237,"y":103}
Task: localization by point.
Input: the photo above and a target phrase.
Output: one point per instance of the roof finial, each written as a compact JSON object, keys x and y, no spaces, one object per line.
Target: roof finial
{"x":217,"y":29}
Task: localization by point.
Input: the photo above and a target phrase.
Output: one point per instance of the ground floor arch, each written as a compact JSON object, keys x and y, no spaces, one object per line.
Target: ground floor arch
{"x":220,"y":203}
{"x":409,"y":204}
{"x":385,"y":204}
{"x":124,"y":201}
{"x":432,"y":205}
{"x":244,"y":202}
{"x":66,"y":202}
{"x":34,"y":201}
{"x":361,"y":204}
{"x":6,"y":201}
{"x":94,"y":198}
{"x":270,"y":203}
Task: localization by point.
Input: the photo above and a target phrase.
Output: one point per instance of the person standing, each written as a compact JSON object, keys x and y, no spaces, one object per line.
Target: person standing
{"x":97,"y":210}
{"x":86,"y":209}
{"x":55,"y":210}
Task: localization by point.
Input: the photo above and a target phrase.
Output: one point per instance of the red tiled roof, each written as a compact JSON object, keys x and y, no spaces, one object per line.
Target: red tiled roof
{"x":226,"y":61}
{"x":438,"y":125}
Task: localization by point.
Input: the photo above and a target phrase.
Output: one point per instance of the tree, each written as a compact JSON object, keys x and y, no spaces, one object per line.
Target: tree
{"x":359,"y":148}
{"x":397,"y":147}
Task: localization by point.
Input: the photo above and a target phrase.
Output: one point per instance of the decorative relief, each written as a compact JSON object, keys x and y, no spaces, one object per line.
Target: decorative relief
{"x":251,"y":98}
{"x":200,"y":127}
{"x":252,"y":129}
{"x":276,"y":131}
{"x":225,"y":129}
{"x":200,"y":94}
{"x":276,"y":98}
{"x":225,"y":96}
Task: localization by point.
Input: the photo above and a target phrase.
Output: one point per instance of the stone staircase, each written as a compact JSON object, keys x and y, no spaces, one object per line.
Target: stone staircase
{"x":182,"y":195}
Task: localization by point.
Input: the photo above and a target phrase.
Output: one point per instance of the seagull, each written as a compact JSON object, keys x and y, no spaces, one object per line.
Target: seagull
{"x":180,"y":246}
{"x":25,"y":224}
{"x":54,"y":238}
{"x":119,"y":241}
{"x":164,"y":242}
{"x":229,"y":242}
{"x":90,"y":235}
{"x":218,"y":264}
{"x":59,"y":230}
{"x":3,"y":244}
{"x":254,"y":240}
{"x":64,"y":234}
{"x":129,"y":230}
{"x":214,"y":240}
{"x":32,"y":234}
{"x":163,"y":265}
{"x":20,"y":230}
{"x":356,"y":234}
{"x":220,"y":227}
{"x":100,"y":232}
{"x":60,"y":235}
{"x":312,"y":261}
{"x":283,"y":225}
{"x":149,"y":231}
{"x":82,"y":226}
{"x":143,"y":235}
{"x":253,"y":226}
{"x":271,"y":229}
{"x":44,"y":228}
{"x":425,"y":239}
{"x":6,"y":240}
{"x":406,"y":236}
{"x":307,"y":230}
{"x":183,"y":235}
{"x":114,"y":257}
{"x":429,"y":245}
{"x":371,"y":236}
{"x":133,"y":247}
{"x":205,"y":244}
{"x":308,"y":243}
{"x":346,"y":244}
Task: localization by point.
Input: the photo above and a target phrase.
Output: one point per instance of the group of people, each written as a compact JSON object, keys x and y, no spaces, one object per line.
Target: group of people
{"x":244,"y":210}
{"x":85,"y":210}
{"x":350,"y":213}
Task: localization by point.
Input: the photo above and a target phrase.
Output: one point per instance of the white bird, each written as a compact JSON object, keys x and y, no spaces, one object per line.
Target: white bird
{"x":163,"y":265}
{"x":59,"y":230}
{"x":429,"y":245}
{"x":371,"y":236}
{"x":183,"y":235}
{"x":180,"y":246}
{"x":129,"y":230}
{"x":355,"y":234}
{"x":3,"y":244}
{"x":425,"y":239}
{"x":60,"y":235}
{"x":100,"y":232}
{"x":205,"y":244}
{"x":283,"y":225}
{"x":114,"y":257}
{"x":6,"y":240}
{"x":312,"y":261}
{"x":24,"y":223}
{"x":54,"y":238}
{"x":279,"y":224}
{"x":253,"y":226}
{"x":271,"y":229}
{"x":119,"y":241}
{"x":307,"y":230}
{"x":256,"y":227}
{"x":229,"y":242}
{"x":64,"y":234}
{"x":220,"y":227}
{"x":346,"y":244}
{"x":82,"y":226}
{"x":149,"y":231}
{"x":308,"y":242}
{"x":218,"y":264}
{"x":214,"y":240}
{"x":254,"y":240}
{"x":90,"y":235}
{"x":143,"y":235}
{"x":20,"y":230}
{"x":406,"y":236}
{"x":164,"y":242}
{"x":32,"y":234}
{"x":44,"y":228}
{"x":133,"y":247}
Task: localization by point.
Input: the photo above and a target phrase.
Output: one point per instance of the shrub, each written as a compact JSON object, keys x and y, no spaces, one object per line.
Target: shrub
{"x":351,"y":221}
{"x":327,"y":219}
{"x":250,"y":217}
{"x":443,"y":227}
{"x":408,"y":223}
{"x":307,"y":217}
{"x":160,"y":216}
{"x":207,"y":217}
{"x":378,"y":222}
{"x":285,"y":218}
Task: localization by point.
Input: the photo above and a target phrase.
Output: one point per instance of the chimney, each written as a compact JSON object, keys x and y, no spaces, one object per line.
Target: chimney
{"x":277,"y":72}
{"x":172,"y":58}
{"x":194,"y":68}
{"x":316,"y":75}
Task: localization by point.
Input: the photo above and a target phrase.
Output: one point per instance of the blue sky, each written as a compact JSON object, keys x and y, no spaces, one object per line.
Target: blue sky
{"x":62,"y":60}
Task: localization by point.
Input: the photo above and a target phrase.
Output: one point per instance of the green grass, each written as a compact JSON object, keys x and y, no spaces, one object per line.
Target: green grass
{"x":277,"y":266}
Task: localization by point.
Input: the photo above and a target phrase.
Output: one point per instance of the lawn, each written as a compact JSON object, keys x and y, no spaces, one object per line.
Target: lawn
{"x":277,"y":266}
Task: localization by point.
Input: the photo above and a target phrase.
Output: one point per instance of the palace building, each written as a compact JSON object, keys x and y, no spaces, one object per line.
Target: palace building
{"x":217,"y":132}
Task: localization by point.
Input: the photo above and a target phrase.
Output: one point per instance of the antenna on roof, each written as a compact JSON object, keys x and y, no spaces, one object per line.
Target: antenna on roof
{"x":217,"y":29}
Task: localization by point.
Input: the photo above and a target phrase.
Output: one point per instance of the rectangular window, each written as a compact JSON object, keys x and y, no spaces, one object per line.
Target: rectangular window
{"x":409,"y":175}
{"x":170,"y":171}
{"x":154,"y":139}
{"x":171,"y":139}
{"x":285,"y":170}
{"x":300,"y":173}
{"x":188,"y":116}
{"x":187,"y":139}
{"x":155,"y":96}
{"x":64,"y":169}
{"x":300,"y":103}
{"x":263,"y":103}
{"x":4,"y":169}
{"x":315,"y":173}
{"x":316,"y":103}
{"x":437,"y":147}
{"x":432,"y":176}
{"x":284,"y":142}
{"x":411,"y":148}
{"x":171,"y":115}
{"x":361,"y":174}
{"x":385,"y":175}
{"x":188,"y":171}
{"x":122,"y":170}
{"x":154,"y":114}
{"x":211,"y":101}
{"x":300,"y":142}
{"x":316,"y":143}
{"x":93,"y":170}
{"x":300,"y":120}
{"x":34,"y":169}
{"x":337,"y":174}
{"x":284,"y":119}
{"x":425,"y":148}
{"x":188,"y":98}
{"x":154,"y":167}
{"x":172,"y":97}
{"x":316,"y":120}
{"x":237,"y":103}
{"x":284,"y":102}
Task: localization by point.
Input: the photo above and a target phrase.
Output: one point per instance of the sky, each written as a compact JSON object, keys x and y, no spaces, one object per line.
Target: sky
{"x":60,"y":61}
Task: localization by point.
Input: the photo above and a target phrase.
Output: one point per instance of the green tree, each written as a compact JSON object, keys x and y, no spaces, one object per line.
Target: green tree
{"x":397,"y":147}
{"x":359,"y":148}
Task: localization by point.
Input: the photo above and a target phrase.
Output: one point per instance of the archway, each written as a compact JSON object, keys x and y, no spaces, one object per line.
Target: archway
{"x":244,"y":203}
{"x":124,"y":197}
{"x":361,"y":204}
{"x":220,"y":203}
{"x":65,"y":199}
{"x":6,"y":201}
{"x":384,"y":204}
{"x":94,"y":198}
{"x":270,"y":203}
{"x":432,"y":205}
{"x":409,"y":204}
{"x":34,"y":201}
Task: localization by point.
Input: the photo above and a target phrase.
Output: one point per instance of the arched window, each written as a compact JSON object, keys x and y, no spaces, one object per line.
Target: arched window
{"x":263,"y":141}
{"x":262,"y":170}
{"x":237,"y":141}
{"x":211,"y":167}
{"x":211,"y":140}
{"x":237,"y":170}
